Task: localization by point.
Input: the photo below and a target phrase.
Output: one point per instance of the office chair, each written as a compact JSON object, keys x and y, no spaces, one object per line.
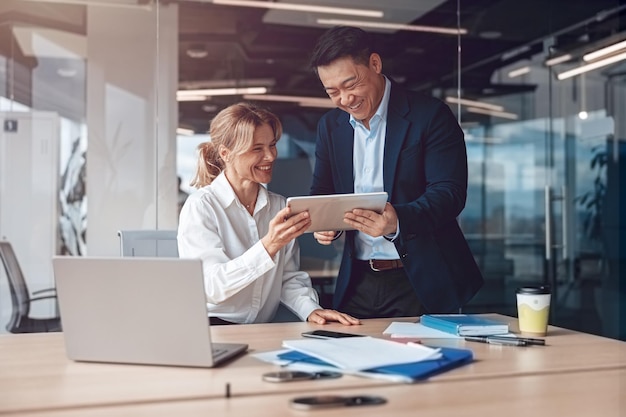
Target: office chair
{"x":163,"y":243}
{"x":150,"y":243}
{"x":21,"y":299}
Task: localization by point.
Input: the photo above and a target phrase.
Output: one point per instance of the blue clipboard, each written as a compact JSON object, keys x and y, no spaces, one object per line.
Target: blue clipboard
{"x":416,"y":371}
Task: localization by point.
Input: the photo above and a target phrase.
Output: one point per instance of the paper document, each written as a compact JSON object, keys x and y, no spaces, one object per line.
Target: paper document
{"x":359,"y":353}
{"x":450,"y":358}
{"x":416,"y":330}
{"x":274,"y":358}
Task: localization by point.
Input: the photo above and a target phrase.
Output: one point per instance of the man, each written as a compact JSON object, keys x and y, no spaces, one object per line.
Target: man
{"x":413,"y":258}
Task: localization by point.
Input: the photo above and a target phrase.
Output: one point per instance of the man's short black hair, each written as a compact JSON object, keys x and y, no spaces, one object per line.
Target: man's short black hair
{"x":339,"y":42}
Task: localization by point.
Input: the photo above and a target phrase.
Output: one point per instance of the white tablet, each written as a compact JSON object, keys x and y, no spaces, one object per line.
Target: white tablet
{"x":327,"y":210}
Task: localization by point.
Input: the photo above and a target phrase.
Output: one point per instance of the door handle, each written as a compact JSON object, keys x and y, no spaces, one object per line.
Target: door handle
{"x":548,"y":228}
{"x":564,"y":221}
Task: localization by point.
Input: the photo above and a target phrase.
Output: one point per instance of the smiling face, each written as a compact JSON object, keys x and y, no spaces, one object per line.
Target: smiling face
{"x":355,"y":88}
{"x":253,"y":165}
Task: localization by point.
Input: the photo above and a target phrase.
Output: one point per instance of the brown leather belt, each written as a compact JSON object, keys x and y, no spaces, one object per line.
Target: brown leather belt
{"x":384,"y":264}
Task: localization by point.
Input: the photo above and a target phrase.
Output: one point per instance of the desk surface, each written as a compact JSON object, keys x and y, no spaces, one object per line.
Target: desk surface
{"x":35,"y":374}
{"x":571,"y":394}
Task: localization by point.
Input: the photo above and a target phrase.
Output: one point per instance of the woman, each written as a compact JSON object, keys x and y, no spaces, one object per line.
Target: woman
{"x":243,"y":233}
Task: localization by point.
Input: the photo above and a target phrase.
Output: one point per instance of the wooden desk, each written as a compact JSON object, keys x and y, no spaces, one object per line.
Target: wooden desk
{"x":571,"y":394}
{"x":35,"y":374}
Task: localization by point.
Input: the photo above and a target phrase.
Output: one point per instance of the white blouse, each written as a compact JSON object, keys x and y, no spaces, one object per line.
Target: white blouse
{"x":242,"y":283}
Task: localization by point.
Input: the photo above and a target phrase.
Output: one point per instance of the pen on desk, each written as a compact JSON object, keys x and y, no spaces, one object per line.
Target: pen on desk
{"x":512,"y":341}
{"x":528,"y":340}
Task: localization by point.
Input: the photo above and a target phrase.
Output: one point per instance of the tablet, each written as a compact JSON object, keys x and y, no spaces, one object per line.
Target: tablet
{"x":327,"y":210}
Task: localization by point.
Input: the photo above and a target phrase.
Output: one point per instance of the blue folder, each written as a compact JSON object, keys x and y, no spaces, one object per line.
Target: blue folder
{"x":451,"y":358}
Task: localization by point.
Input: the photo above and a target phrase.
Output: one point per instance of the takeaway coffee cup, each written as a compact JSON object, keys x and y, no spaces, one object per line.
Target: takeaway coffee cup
{"x":533,"y":307}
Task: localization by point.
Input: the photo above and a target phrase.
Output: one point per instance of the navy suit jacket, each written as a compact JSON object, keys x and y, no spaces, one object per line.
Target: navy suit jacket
{"x":425,"y":175}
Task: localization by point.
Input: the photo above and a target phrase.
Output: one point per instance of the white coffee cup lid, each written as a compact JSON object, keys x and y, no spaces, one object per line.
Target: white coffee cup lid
{"x":535,"y":289}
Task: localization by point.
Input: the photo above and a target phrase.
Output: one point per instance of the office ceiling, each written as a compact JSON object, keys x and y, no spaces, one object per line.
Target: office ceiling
{"x":259,"y":45}
{"x":226,"y":46}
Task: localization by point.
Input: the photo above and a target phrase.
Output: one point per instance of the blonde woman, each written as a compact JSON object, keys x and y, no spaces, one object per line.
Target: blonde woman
{"x":243,"y":233}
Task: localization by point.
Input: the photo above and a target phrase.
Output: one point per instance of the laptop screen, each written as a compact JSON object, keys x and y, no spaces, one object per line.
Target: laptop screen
{"x":134,"y":310}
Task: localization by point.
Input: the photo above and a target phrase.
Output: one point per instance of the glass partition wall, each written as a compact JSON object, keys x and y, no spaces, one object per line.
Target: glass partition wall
{"x":88,"y":109}
{"x":545,"y":174}
{"x":89,"y":142}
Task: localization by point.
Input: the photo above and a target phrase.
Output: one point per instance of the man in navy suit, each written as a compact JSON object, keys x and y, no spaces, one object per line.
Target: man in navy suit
{"x":413,"y":258}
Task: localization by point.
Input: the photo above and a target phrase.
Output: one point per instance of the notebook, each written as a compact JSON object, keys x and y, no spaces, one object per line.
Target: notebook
{"x":138,"y":311}
{"x":465,"y":324}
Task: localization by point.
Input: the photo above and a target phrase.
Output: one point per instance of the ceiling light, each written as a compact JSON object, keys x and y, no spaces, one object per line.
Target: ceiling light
{"x":502,"y":114}
{"x":557,"y":60}
{"x":520,"y":71}
{"x":393,"y":26}
{"x":591,"y":66}
{"x":220,"y":92}
{"x":302,"y":8}
{"x":104,"y":3}
{"x":605,"y":51}
{"x":191,"y":98}
{"x":303,"y":101}
{"x":197,"y":52}
{"x":474,"y":103}
{"x":237,"y":83}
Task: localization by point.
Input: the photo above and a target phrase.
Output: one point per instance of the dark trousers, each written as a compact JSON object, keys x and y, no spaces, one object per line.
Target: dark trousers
{"x":374,"y":294}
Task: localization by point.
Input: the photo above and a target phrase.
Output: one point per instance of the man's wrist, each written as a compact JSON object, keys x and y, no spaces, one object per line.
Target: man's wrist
{"x":390,"y":237}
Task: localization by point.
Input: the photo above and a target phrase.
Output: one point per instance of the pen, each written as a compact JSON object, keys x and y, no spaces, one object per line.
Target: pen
{"x":512,"y":341}
{"x":528,"y":340}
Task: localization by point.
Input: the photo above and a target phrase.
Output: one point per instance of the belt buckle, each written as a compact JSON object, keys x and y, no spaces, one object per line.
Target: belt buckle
{"x":371,"y":262}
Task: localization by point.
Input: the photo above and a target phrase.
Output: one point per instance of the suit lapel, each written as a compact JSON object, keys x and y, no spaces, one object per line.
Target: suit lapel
{"x":397,"y":127}
{"x":342,"y":139}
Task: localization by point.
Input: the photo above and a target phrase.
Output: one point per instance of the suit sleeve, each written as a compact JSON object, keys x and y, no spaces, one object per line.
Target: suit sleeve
{"x":439,"y":168}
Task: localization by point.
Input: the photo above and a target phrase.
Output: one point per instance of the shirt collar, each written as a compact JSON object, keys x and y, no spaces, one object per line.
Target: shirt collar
{"x":226,"y":195}
{"x":381,"y":111}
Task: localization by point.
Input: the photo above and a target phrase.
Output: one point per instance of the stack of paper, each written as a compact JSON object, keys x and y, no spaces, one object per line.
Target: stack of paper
{"x":360,"y":353}
{"x":370,"y":357}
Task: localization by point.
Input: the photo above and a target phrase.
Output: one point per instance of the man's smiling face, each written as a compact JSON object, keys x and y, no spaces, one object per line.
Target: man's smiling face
{"x":355,"y":88}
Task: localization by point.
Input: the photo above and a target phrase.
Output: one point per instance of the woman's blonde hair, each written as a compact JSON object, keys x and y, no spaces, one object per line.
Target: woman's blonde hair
{"x":234,"y":129}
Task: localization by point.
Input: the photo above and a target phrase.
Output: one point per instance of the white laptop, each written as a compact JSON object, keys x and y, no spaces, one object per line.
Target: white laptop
{"x":137,"y":310}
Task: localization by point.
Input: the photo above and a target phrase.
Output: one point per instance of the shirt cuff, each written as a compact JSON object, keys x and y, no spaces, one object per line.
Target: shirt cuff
{"x":393,"y":236}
